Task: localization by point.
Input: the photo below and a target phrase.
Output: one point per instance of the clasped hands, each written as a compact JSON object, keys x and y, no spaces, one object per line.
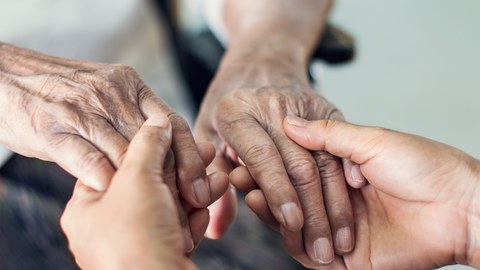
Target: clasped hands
{"x":417,"y":211}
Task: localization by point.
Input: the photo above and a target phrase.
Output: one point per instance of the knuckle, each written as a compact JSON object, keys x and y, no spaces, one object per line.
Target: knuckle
{"x":328,"y":165}
{"x":178,"y":122}
{"x":259,"y":155}
{"x":92,"y":160}
{"x":126,"y":69}
{"x":318,"y":221}
{"x":303,"y":171}
{"x":144,"y":93}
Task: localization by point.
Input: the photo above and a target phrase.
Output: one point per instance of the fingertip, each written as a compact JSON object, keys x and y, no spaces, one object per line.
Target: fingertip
{"x":100,"y":181}
{"x":158,"y":120}
{"x":344,"y":241}
{"x":206,"y":150}
{"x":304,"y":132}
{"x":202,"y":191}
{"x":222,"y":214}
{"x":242,"y":179}
{"x":219,"y":184}
{"x":291,"y":216}
{"x":356,"y":179}
{"x":198,"y":222}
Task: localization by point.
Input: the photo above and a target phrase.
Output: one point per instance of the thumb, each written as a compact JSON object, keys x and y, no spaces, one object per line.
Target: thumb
{"x":341,"y":139}
{"x":149,"y":148}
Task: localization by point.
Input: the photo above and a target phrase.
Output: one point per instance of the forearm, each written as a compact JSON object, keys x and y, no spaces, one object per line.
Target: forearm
{"x":274,"y":34}
{"x":296,"y":25}
{"x":24,"y":62}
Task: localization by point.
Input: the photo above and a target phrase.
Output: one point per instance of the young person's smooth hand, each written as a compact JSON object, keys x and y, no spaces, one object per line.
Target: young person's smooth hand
{"x":135,"y":224}
{"x":419,"y":209}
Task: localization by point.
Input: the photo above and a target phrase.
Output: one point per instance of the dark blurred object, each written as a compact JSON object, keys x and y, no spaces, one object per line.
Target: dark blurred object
{"x":45,"y":178}
{"x":30,"y":234}
{"x":199,"y":55}
{"x":335,"y":47}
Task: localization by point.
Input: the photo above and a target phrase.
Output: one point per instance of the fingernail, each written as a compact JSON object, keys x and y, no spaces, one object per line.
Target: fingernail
{"x":291,"y":216}
{"x":158,"y":120}
{"x":297,"y":121}
{"x":188,"y":242}
{"x":357,"y":175}
{"x":343,"y":240}
{"x":201,"y":191}
{"x":323,"y":250}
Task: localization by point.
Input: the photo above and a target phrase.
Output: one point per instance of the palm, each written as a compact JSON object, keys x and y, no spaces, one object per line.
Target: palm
{"x":395,"y":214}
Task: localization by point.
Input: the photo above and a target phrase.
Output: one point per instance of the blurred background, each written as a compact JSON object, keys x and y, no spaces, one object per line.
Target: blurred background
{"x":406,"y":65}
{"x":416,"y":69}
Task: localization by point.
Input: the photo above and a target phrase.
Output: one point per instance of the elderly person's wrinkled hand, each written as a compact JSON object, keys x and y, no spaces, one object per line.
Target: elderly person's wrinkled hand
{"x":82,"y":115}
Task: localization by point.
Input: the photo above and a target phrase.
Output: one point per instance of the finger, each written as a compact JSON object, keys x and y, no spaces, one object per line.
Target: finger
{"x":224,"y":210}
{"x":192,"y":180}
{"x":338,"y":138}
{"x":293,"y":243}
{"x":198,"y":222}
{"x":242,"y":179}
{"x":353,"y":175}
{"x":352,"y":172}
{"x":170,"y":178}
{"x":219,"y":184}
{"x":337,"y":201}
{"x":222,"y":213}
{"x":83,"y":160}
{"x":106,"y":138}
{"x":304,"y":174}
{"x":206,"y":151}
{"x":148,"y":149}
{"x":255,"y":147}
{"x":257,"y":202}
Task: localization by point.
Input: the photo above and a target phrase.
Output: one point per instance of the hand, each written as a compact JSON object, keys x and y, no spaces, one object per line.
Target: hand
{"x":134,"y":224}
{"x":82,"y":115}
{"x":306,"y":192}
{"x":419,"y":210}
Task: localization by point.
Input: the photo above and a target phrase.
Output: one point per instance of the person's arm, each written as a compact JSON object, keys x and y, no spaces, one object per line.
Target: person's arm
{"x":282,"y":31}
{"x":263,"y":78}
{"x":420,"y":209}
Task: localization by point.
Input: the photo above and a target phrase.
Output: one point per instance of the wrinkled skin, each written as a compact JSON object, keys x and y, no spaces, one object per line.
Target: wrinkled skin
{"x":419,"y":210}
{"x":304,"y":190}
{"x":82,"y":115}
{"x":106,"y":231}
